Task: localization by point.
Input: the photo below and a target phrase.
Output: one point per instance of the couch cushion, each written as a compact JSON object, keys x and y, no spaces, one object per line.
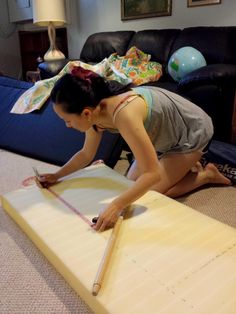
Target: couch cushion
{"x":41,"y":134}
{"x":157,"y":43}
{"x":210,"y":98}
{"x":218,"y":74}
{"x":217,"y":44}
{"x":101,"y":45}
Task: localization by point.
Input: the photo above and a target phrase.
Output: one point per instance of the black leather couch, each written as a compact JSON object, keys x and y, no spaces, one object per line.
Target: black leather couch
{"x":212,"y":87}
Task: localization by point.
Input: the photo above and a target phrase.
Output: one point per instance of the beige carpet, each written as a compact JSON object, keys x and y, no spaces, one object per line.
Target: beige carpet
{"x":28,"y":283}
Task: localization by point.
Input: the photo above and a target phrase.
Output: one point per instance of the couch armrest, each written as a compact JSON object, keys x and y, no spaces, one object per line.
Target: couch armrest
{"x":210,"y":74}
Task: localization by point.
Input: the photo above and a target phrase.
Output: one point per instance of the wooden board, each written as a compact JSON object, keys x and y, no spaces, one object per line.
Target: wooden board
{"x":168,"y":258}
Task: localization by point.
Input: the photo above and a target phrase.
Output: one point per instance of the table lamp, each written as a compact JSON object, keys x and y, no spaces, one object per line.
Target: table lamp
{"x":50,"y":13}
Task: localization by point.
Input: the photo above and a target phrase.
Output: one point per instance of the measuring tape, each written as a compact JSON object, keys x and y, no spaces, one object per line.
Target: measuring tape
{"x":75,"y":210}
{"x":31,"y":180}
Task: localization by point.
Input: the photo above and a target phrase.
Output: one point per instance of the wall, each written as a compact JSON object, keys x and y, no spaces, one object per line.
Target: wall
{"x":9,"y":45}
{"x":10,"y":63}
{"x":89,"y":16}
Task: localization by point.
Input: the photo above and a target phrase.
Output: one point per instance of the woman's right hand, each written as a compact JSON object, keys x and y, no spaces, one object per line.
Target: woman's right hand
{"x":47,"y":179}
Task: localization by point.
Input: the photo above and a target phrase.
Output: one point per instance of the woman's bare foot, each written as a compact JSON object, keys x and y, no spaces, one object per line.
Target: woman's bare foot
{"x":214,"y":176}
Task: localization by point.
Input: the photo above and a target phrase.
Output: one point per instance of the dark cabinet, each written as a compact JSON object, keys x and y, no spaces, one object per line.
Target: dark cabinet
{"x":34,"y":44}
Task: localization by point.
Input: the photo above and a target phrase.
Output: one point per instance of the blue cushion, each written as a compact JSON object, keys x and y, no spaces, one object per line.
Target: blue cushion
{"x":41,"y":134}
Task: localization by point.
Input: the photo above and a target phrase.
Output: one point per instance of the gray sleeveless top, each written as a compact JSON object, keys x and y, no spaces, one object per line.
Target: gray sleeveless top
{"x":173,"y":123}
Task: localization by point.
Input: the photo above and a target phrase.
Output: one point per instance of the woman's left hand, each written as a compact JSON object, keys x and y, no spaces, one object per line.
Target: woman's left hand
{"x":107,"y":218}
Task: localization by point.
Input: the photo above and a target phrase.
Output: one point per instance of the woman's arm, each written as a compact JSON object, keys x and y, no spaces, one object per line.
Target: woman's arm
{"x":84,"y":156}
{"x":132,"y":130}
{"x":80,"y":160}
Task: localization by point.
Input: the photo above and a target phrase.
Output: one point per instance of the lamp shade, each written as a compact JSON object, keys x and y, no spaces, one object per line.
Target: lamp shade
{"x":45,"y":11}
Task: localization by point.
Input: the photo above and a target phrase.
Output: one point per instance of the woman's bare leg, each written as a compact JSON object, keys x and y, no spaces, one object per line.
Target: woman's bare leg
{"x":193,"y":180}
{"x":177,"y":177}
{"x":173,"y":168}
{"x":133,"y":172}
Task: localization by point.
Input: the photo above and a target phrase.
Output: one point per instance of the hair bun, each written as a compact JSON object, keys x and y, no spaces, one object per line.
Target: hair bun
{"x":84,"y":74}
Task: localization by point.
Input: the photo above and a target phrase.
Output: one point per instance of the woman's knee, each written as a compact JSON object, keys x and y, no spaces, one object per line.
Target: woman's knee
{"x":133,"y":172}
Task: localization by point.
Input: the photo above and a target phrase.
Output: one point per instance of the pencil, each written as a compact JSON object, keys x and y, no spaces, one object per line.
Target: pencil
{"x":37,"y":175}
{"x":106,"y":257}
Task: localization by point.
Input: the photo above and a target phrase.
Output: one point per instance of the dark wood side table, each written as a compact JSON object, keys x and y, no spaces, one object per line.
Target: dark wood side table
{"x":34,"y":44}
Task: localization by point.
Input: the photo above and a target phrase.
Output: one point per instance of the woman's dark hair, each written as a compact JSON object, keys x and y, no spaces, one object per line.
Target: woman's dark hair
{"x":83,"y":88}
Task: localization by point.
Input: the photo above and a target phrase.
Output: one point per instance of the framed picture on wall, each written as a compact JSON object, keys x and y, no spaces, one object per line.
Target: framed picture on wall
{"x":138,"y":9}
{"x":196,"y":3}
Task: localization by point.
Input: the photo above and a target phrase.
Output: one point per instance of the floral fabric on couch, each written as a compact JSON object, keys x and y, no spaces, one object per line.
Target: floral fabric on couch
{"x":134,"y":67}
{"x":137,"y":66}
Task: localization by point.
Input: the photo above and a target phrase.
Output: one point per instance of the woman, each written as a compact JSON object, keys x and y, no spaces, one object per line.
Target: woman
{"x":149,"y":119}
